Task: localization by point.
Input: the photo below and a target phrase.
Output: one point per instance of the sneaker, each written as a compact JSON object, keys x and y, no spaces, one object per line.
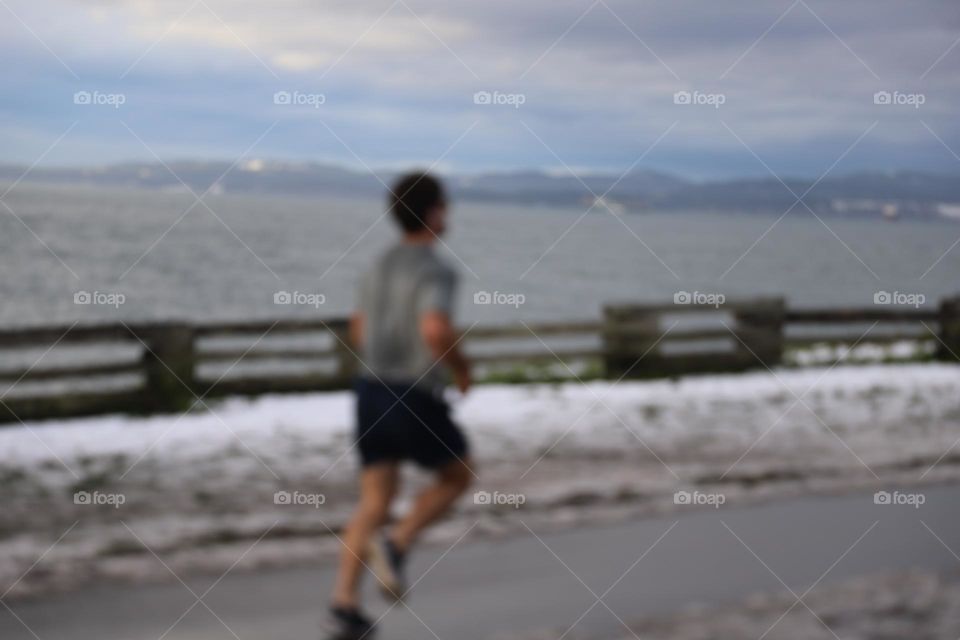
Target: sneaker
{"x":388,"y":564}
{"x":348,"y":624}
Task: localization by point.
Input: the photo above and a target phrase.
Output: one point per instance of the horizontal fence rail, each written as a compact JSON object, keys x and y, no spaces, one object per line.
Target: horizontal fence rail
{"x":52,"y":372}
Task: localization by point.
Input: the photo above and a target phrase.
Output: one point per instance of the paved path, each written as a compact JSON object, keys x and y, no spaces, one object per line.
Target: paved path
{"x":482,"y":590}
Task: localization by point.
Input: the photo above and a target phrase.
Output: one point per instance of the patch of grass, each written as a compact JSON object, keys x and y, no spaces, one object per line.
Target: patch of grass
{"x":546,"y":372}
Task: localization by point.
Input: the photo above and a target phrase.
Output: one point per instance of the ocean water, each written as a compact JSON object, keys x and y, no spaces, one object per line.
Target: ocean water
{"x":170,"y":257}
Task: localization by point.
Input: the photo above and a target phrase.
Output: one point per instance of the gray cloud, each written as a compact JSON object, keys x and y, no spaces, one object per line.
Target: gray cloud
{"x":400,"y":77}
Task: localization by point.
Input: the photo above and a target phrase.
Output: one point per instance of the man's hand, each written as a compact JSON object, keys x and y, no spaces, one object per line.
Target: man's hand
{"x":356,"y":328}
{"x":442,"y":340}
{"x":462,"y":378}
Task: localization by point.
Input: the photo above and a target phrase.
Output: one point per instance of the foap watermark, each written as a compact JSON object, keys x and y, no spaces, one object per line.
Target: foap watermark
{"x":899,"y":298}
{"x":699,"y":297}
{"x":96,"y":498}
{"x":498,"y":98}
{"x":499,"y":298}
{"x":699,"y":98}
{"x":699,"y":498}
{"x":299,"y":298}
{"x":299,"y":499}
{"x":100,"y":298}
{"x":99,"y":99}
{"x":299,"y":99}
{"x":496,"y":498}
{"x":899,"y":99}
{"x":915,"y":500}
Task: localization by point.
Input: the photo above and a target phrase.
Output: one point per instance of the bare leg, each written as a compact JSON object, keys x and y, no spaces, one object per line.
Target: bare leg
{"x":378,"y":485}
{"x":433,"y":502}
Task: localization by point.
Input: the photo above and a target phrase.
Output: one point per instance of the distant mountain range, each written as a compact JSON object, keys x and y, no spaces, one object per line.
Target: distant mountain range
{"x":888,"y":195}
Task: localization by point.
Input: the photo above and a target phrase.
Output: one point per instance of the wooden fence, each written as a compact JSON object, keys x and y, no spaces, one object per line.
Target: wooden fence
{"x":146,"y":368}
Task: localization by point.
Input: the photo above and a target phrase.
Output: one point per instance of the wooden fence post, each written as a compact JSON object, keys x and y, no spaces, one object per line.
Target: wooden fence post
{"x":169,"y":361}
{"x":628,"y":338}
{"x":949,"y":329}
{"x":760,"y":327}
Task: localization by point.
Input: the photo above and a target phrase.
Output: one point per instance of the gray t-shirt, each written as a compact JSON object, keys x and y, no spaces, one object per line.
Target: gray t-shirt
{"x":406,"y":282}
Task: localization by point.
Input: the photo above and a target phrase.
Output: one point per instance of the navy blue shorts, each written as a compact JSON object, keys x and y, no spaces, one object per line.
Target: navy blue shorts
{"x":418,"y":427}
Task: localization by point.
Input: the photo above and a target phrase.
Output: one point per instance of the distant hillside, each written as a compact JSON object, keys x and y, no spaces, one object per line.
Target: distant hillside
{"x":895,"y":194}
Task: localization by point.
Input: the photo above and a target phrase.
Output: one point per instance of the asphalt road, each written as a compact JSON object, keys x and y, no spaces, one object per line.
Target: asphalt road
{"x":487,"y":589}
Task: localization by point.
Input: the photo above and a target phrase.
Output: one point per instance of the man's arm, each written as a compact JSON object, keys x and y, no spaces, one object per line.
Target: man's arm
{"x":442,"y":340}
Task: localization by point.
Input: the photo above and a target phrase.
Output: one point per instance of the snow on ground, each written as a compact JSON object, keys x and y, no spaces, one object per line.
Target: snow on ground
{"x":865,"y":352}
{"x":199,"y":489}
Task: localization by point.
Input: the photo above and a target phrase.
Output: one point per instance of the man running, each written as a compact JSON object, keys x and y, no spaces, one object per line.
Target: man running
{"x":407,"y":345}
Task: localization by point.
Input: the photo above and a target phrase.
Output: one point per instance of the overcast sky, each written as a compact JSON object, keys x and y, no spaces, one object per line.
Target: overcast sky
{"x":584,"y":85}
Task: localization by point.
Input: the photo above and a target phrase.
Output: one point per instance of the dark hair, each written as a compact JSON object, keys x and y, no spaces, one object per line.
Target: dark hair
{"x":412,"y":196}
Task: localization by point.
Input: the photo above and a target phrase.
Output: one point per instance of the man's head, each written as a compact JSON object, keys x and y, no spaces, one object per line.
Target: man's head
{"x":419,"y":205}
